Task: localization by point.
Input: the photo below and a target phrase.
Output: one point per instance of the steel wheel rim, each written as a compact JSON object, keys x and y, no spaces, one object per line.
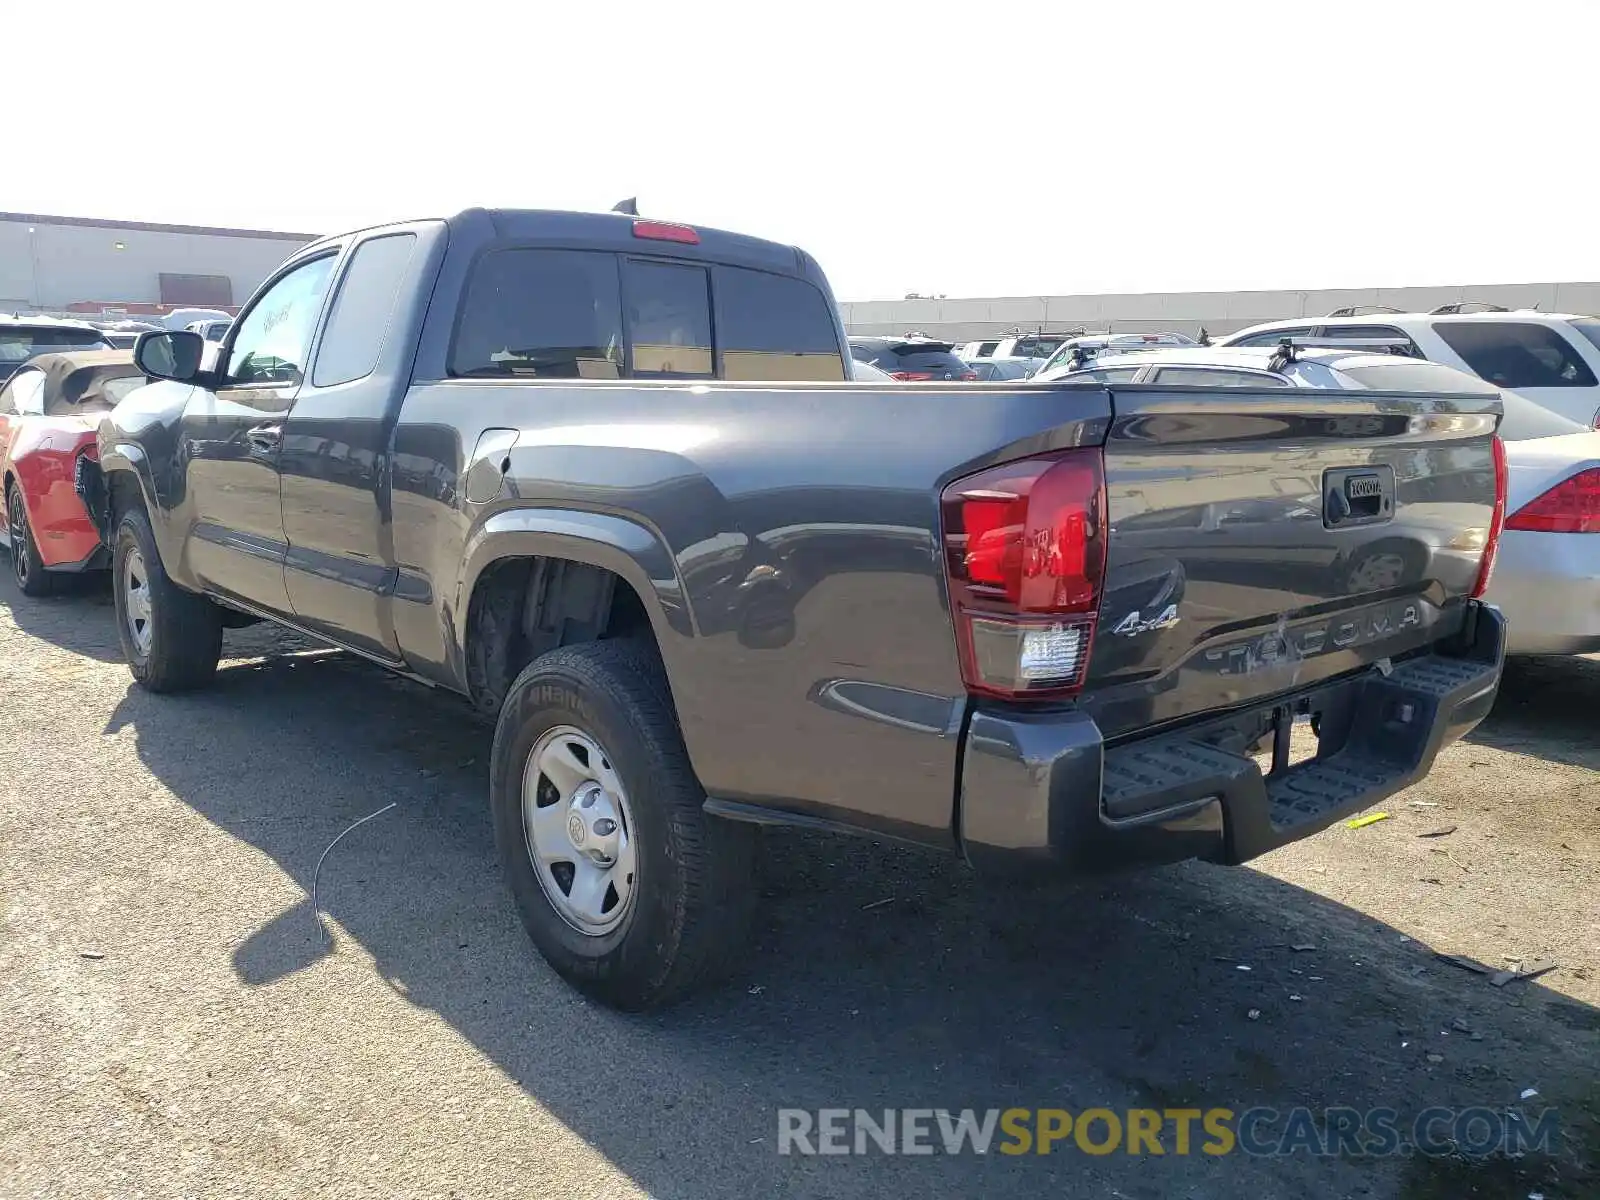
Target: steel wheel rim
{"x":579,"y":831}
{"x":17,"y":519}
{"x":135,"y":589}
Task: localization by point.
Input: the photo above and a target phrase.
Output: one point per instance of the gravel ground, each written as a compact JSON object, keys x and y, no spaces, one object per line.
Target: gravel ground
{"x":175,"y":1026}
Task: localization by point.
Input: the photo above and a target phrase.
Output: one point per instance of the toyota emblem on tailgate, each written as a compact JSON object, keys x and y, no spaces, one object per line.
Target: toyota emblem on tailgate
{"x":1363,"y":487}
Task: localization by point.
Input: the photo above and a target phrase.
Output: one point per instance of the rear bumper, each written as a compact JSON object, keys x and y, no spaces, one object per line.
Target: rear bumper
{"x":1041,"y":791}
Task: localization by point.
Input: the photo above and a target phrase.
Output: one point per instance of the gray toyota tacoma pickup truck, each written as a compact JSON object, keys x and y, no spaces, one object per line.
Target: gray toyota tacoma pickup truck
{"x":609,"y":479}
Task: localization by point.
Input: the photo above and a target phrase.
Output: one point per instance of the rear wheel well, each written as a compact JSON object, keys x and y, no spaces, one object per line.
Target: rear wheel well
{"x":524,"y":607}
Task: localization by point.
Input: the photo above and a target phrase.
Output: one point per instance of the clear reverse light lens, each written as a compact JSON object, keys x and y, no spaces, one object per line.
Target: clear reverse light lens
{"x":1050,"y":655}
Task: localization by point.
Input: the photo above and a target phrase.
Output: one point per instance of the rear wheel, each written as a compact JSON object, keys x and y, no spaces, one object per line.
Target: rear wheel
{"x":626,"y":885}
{"x":171,"y":638}
{"x":26,"y":566}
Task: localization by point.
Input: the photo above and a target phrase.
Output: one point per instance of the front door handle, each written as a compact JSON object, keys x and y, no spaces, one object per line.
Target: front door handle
{"x":264,"y":439}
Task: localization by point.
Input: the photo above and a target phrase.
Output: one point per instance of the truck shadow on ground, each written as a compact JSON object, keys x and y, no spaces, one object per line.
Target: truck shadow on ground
{"x":880,"y":977}
{"x":78,"y":616}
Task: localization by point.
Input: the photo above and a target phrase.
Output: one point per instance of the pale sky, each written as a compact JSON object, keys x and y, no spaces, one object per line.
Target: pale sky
{"x":964,"y":149}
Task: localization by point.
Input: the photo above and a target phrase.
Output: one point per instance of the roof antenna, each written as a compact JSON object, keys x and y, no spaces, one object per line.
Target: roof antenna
{"x":628,"y":207}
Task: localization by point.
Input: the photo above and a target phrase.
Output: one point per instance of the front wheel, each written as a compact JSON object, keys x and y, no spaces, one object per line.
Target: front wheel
{"x":171,"y":638}
{"x":26,"y":566}
{"x":629,"y":889}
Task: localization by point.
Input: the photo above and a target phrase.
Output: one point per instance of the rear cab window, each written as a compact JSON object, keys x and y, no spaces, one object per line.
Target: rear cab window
{"x":541,"y":314}
{"x":1514,"y":354}
{"x":774,"y":327}
{"x":669,"y":319}
{"x":595,"y":314}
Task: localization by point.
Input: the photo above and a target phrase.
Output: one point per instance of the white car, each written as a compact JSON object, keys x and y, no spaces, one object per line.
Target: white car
{"x":1036,"y":346}
{"x":1551,"y":359}
{"x":1547,"y":574}
{"x":212,"y":331}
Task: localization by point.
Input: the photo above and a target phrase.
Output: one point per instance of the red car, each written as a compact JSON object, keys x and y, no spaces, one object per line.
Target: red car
{"x":49,"y":411}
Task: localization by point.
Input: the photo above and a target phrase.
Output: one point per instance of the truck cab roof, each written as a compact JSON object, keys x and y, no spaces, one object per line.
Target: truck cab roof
{"x":606,"y":231}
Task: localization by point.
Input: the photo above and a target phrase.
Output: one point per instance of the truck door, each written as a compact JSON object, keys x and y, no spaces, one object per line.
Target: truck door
{"x":231,"y":434}
{"x":340,"y":567}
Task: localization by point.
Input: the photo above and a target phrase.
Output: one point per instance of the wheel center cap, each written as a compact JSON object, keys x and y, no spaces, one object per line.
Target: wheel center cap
{"x":576,"y":830}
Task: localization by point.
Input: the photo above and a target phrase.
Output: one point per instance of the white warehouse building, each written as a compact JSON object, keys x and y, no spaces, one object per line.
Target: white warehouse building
{"x":961,"y":320}
{"x":95,"y":268}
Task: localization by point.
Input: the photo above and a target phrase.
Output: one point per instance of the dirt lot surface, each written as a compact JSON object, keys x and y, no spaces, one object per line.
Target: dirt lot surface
{"x":174,"y":1025}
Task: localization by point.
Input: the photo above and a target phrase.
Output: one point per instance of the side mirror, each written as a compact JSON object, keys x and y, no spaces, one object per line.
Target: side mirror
{"x":169,"y":354}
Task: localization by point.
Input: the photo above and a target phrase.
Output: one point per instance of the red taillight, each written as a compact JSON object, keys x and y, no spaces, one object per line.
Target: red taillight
{"x":969,"y":376}
{"x":662,"y":231}
{"x":1025,"y":550}
{"x":1497,"y":521}
{"x":911,"y":376}
{"x":1572,"y":506}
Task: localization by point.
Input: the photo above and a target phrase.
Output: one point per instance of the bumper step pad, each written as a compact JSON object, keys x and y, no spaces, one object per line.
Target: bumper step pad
{"x":1398,"y":723}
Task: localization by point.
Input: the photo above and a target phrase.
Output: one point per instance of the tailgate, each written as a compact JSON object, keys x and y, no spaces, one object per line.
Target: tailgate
{"x":1265,"y":540}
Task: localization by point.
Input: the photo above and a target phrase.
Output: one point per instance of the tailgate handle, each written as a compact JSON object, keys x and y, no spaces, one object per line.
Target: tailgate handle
{"x":1357,"y":495}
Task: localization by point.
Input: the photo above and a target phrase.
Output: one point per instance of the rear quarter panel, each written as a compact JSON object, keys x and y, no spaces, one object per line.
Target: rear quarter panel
{"x":805,"y":626}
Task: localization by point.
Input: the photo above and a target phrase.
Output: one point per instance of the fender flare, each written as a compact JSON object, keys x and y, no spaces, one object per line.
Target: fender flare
{"x":131,"y":458}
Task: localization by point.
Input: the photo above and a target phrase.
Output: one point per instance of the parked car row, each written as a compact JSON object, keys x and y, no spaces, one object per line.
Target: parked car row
{"x":1552,"y":359}
{"x":1547,"y":574}
{"x":1002,"y":359}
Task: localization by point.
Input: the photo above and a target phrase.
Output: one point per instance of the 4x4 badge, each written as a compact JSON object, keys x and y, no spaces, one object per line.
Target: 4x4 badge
{"x":1134,"y":623}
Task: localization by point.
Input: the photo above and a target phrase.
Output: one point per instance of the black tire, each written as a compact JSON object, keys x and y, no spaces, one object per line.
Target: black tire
{"x":185,"y":630}
{"x":27,"y":568}
{"x":694,"y":890}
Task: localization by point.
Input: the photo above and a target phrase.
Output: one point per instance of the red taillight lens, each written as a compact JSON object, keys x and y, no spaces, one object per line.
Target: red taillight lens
{"x":1497,"y":521}
{"x":911,"y":376}
{"x":1025,"y":550}
{"x":969,"y":376}
{"x":1572,"y":506}
{"x":662,"y":231}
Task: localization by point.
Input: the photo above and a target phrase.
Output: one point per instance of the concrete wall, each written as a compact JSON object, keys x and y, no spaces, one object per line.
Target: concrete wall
{"x":50,"y":263}
{"x":1185,"y":312}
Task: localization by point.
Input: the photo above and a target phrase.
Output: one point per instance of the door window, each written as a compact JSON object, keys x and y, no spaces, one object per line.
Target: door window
{"x":669,"y":319}
{"x":270,"y":343}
